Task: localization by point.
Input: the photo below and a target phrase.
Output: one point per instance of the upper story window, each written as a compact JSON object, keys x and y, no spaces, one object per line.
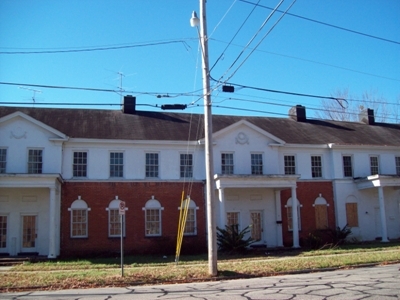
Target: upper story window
{"x":116,"y":164}
{"x":152,"y":211}
{"x":151,"y":164}
{"x":186,"y":165}
{"x":256,"y":164}
{"x":397,"y":160}
{"x":80,"y":164}
{"x":35,"y":161}
{"x":3,"y":160}
{"x":290,"y":165}
{"x":114,"y":219}
{"x":79,"y":218}
{"x":374,"y":164}
{"x":227,"y":163}
{"x":316,"y":166}
{"x":347,"y":166}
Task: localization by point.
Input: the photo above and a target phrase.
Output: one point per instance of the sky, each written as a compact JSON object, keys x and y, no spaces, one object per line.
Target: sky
{"x":90,"y":53}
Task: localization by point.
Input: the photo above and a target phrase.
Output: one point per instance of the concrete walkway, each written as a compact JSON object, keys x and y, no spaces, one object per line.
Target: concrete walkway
{"x":380,"y":282}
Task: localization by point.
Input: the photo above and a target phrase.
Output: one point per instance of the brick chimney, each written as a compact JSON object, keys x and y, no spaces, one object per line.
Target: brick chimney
{"x":367,"y":116}
{"x":298,"y":113}
{"x":129,"y":105}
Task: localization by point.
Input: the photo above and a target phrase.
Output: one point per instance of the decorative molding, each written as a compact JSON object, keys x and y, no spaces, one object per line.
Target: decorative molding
{"x":242,"y":138}
{"x":18,"y":133}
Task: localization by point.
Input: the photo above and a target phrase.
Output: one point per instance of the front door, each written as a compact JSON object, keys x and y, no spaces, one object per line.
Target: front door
{"x":29,"y":233}
{"x":256,"y":225}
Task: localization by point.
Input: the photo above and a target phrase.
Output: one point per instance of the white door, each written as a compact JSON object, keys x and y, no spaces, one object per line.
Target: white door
{"x":256,"y":225}
{"x":29,"y":233}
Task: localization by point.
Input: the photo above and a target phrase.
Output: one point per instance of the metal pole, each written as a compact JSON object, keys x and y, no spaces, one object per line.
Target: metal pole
{"x":211,"y":222}
{"x":122,"y":246}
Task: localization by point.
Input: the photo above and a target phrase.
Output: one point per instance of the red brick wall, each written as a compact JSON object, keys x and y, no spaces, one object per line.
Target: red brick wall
{"x":307,"y":192}
{"x":98,"y":195}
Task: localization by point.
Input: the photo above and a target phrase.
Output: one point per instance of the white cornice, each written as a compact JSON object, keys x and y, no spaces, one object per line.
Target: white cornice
{"x":130,"y":142}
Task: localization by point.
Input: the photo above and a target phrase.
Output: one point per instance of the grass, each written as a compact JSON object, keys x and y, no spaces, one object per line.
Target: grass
{"x":88,"y":273}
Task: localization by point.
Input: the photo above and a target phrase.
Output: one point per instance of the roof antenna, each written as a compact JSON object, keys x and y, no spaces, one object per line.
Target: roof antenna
{"x":32,"y":90}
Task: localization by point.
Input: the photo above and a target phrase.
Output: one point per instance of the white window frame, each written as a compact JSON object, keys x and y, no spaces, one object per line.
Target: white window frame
{"x":286,"y":167}
{"x":116,"y":165}
{"x":3,"y":160}
{"x":83,"y":167}
{"x":346,"y":166}
{"x":153,"y":205}
{"x":227,"y":165}
{"x":152,"y":170}
{"x":289,"y":211}
{"x":374,"y":164}
{"x":35,"y":162}
{"x":113,"y":208}
{"x":315,"y":168}
{"x":186,"y":165}
{"x":79,"y":205}
{"x":192,"y":208}
{"x":236,"y":217}
{"x":257,"y":166}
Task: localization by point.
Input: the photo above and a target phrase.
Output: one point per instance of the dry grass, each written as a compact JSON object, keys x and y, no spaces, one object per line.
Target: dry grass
{"x":150,"y":270}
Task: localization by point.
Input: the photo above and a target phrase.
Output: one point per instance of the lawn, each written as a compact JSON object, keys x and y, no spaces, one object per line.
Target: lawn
{"x":138,"y":270}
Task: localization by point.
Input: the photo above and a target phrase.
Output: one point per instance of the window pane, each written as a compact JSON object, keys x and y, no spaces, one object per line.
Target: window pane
{"x":316,"y":166}
{"x":153,"y":224}
{"x":347,"y":166}
{"x":186,"y":165}
{"x":290,"y":166}
{"x":232,"y":218}
{"x":227,"y":163}
{"x":256,"y":164}
{"x":190,"y":227}
{"x":397,"y":159}
{"x":35,"y":161}
{"x":116,"y":164}
{"x":79,"y":223}
{"x":374,"y":165}
{"x":3,"y":155}
{"x":80,"y":164}
{"x":151,"y":164}
{"x":3,"y":231}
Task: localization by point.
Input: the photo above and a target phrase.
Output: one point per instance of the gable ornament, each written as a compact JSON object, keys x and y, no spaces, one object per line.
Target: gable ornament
{"x":242,"y":138}
{"x":18,"y":134}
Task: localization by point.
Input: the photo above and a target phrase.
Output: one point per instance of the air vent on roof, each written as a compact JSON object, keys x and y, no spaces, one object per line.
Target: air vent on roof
{"x":129,"y":105}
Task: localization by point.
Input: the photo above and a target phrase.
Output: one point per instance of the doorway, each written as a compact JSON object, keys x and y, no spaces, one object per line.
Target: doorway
{"x":29,"y":233}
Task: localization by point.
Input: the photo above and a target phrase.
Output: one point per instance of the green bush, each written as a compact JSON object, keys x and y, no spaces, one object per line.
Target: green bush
{"x":232,"y":241}
{"x":338,"y":235}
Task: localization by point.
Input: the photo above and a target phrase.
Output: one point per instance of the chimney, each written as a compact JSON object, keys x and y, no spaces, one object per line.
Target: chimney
{"x":129,"y":105}
{"x":298,"y":113}
{"x":367,"y":116}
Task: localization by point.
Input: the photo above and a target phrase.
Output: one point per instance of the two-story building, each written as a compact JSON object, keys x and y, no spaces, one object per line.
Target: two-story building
{"x":64,"y":172}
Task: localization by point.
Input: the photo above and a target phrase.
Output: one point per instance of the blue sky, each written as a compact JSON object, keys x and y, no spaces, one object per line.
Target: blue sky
{"x":158,"y":53}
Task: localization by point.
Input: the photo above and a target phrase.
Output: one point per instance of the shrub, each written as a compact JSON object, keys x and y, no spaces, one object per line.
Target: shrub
{"x":232,"y":241}
{"x":338,"y":235}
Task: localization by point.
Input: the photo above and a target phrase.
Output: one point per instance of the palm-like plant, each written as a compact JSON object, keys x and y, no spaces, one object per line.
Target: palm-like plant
{"x":231,"y":240}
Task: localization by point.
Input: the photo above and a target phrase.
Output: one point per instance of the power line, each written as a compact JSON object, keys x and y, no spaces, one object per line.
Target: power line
{"x":327,"y":24}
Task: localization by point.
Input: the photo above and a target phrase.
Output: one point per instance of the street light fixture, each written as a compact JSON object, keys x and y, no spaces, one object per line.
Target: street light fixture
{"x":210,"y":185}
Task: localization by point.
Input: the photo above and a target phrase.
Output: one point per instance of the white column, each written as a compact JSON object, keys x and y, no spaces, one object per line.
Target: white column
{"x":52,"y":224}
{"x":383,"y":214}
{"x":295,"y":220}
{"x":278,"y":213}
{"x":222,"y":211}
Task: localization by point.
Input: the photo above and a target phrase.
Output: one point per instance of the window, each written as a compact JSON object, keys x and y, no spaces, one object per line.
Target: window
{"x":151,"y":164}
{"x":186,"y":167}
{"x":79,"y":218}
{"x":232,"y":218}
{"x":114,"y":219}
{"x":3,"y":160}
{"x":227,"y":163}
{"x":374,"y":165}
{"x":80,"y":164}
{"x":35,"y":161}
{"x":321,"y":213}
{"x":290,"y":165}
{"x":116,"y":164}
{"x":352,"y":214}
{"x":290,"y":216}
{"x":191,"y":221}
{"x":3,"y":231}
{"x":316,"y":166}
{"x":397,"y":159}
{"x":256,"y":164}
{"x":347,"y":166}
{"x":153,"y":217}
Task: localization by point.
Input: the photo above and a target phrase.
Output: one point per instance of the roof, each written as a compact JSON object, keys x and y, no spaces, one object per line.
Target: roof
{"x":145,"y":125}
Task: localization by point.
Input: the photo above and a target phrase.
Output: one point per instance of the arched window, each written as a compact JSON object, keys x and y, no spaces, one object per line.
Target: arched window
{"x":289,"y":214}
{"x":152,"y":211}
{"x":321,"y":212}
{"x":114,"y":219}
{"x":79,"y":218}
{"x":191,"y":220}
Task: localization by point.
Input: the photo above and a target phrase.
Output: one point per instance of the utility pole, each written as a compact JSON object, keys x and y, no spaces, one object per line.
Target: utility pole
{"x":210,"y":186}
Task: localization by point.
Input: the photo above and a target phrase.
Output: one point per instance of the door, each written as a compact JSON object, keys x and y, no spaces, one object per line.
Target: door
{"x":29,"y":233}
{"x":256,"y":225}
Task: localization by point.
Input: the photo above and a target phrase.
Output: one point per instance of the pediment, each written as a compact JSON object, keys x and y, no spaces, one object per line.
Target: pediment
{"x":18,"y":132}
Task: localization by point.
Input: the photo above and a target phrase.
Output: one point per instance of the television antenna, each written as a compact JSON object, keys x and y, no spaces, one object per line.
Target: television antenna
{"x":32,"y":90}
